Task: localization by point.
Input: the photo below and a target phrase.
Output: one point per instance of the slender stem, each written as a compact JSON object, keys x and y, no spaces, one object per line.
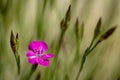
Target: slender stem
{"x":17,"y":57}
{"x":93,"y":47}
{"x":77,"y":50}
{"x":57,"y":52}
{"x":91,"y":43}
{"x":78,"y":47}
{"x":59,"y":44}
{"x":80,"y":69}
{"x":32,"y":71}
{"x":84,"y":58}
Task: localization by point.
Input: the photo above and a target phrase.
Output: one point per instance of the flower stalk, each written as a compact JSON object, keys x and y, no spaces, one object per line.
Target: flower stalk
{"x":93,"y":46}
{"x":34,"y":67}
{"x":14,"y":42}
{"x":88,"y":50}
{"x":63,"y":25}
{"x":79,"y":35}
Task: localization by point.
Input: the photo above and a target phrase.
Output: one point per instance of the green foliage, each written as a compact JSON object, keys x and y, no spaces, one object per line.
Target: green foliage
{"x":66,"y":27}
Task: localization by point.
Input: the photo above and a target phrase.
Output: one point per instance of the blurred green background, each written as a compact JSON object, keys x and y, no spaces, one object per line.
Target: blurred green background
{"x":40,"y":20}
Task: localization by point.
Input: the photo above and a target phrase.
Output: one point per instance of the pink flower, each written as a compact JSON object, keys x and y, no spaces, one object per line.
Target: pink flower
{"x":37,"y":53}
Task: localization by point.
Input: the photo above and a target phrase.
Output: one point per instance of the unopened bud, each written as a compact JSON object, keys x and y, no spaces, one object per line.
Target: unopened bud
{"x":12,"y":41}
{"x":79,"y":29}
{"x":76,"y":28}
{"x":65,"y":22}
{"x":68,"y":14}
{"x":97,"y":29}
{"x":107,"y":34}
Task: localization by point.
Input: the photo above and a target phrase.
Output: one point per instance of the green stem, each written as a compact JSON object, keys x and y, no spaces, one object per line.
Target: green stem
{"x":17,"y":57}
{"x":77,"y":50}
{"x":32,"y":71}
{"x":78,"y":47}
{"x":59,"y":44}
{"x":93,"y":47}
{"x":57,"y":52}
{"x":91,"y":43}
{"x":84,"y":58}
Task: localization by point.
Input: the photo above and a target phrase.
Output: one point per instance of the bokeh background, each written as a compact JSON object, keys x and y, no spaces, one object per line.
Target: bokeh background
{"x":40,"y":20}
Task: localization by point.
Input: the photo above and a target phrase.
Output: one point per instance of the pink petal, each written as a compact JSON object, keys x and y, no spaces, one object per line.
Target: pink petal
{"x":30,"y":53}
{"x":43,"y":62}
{"x":36,"y":45}
{"x":42,"y":45}
{"x":50,"y":55}
{"x":32,"y":61}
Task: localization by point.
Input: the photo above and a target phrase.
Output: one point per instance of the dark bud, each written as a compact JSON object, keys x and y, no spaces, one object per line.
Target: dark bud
{"x":97,"y":29}
{"x":12,"y":42}
{"x":79,"y":29}
{"x":65,"y":22}
{"x":107,"y":34}
{"x":68,"y":14}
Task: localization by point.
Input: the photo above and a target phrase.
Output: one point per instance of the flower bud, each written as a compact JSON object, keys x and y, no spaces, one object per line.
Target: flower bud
{"x":97,"y":29}
{"x":79,"y":29}
{"x":12,"y":42}
{"x":65,"y":22}
{"x":68,"y":14}
{"x":107,"y":34}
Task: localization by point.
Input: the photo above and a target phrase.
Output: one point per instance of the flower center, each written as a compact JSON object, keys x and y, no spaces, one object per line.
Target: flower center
{"x":39,"y":53}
